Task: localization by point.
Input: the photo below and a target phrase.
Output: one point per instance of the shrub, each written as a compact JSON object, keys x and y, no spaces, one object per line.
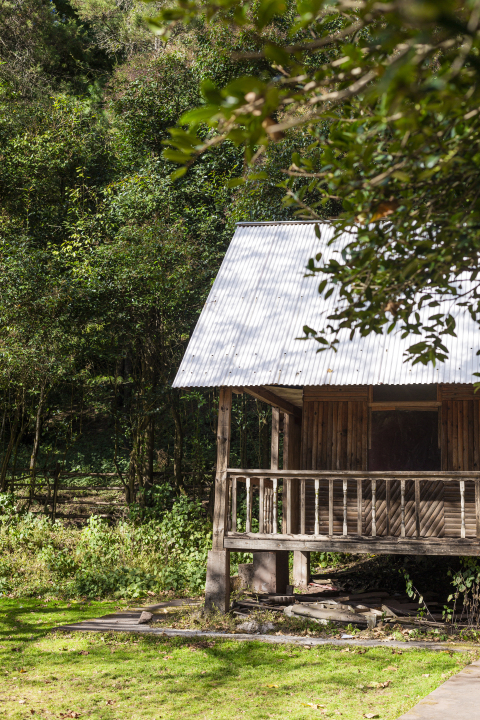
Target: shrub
{"x":162,"y":549}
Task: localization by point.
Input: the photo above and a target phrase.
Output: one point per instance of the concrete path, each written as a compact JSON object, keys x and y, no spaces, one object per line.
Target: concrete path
{"x":127,"y":622}
{"x":456,"y":699}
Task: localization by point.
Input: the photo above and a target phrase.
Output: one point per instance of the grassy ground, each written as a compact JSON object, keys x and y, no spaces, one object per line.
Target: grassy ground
{"x":112,"y":677}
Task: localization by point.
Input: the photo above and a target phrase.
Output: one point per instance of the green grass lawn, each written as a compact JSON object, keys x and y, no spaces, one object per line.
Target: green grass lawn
{"x":117,"y":676}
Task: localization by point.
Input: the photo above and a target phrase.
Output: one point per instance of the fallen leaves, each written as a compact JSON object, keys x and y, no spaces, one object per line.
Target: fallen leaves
{"x":110,"y":702}
{"x":315,"y":706}
{"x":70,"y":714}
{"x":392,"y":667}
{"x":84,"y":652}
{"x":374,"y":685}
{"x":272,"y":686}
{"x":378,"y":685}
{"x":370,"y":715}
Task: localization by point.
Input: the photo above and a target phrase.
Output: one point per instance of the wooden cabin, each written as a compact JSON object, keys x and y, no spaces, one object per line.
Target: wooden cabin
{"x":378,"y":456}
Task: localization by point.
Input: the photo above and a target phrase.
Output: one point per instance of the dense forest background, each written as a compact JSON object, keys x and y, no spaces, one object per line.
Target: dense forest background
{"x":105,"y":261}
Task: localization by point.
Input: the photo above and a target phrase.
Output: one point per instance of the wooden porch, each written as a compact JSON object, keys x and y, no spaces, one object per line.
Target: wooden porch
{"x":329,"y":487}
{"x":428,"y":513}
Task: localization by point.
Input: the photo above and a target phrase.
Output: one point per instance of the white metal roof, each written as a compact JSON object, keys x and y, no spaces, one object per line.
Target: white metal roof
{"x":247,"y":332}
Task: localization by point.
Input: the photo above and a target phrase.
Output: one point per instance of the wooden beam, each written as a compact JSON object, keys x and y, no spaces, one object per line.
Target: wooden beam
{"x":390,"y":546}
{"x":406,"y":405}
{"x":275,"y":446}
{"x":223,"y":456}
{"x":425,"y":475}
{"x":275,"y":400}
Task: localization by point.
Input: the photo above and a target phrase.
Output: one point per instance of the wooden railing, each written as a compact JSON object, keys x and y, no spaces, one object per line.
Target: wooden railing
{"x":289,"y":502}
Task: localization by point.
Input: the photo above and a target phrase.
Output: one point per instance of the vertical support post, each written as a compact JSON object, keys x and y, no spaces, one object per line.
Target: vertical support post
{"x":234,"y":505}
{"x":302,"y":506}
{"x":374,"y":507}
{"x":248,"y":488}
{"x":462,"y":508}
{"x":345,"y":516}
{"x":270,"y":569}
{"x":261,"y":505}
{"x":301,"y":568}
{"x":359,"y":506}
{"x":275,"y":506}
{"x":330,"y":506}
{"x":417,"y":508}
{"x":317,"y":519}
{"x":217,"y":588}
{"x":292,"y":459}
{"x":228,"y":521}
{"x":402,"y":506}
{"x":387,"y":502}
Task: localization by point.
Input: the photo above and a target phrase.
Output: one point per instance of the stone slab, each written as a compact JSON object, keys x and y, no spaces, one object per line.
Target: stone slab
{"x":457,"y":699}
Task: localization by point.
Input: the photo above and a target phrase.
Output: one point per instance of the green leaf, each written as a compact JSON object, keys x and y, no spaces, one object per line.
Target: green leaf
{"x":175,"y":156}
{"x":266,"y":10}
{"x":178,"y":173}
{"x":199,"y":115}
{"x":235,"y":182}
{"x":400,"y":175}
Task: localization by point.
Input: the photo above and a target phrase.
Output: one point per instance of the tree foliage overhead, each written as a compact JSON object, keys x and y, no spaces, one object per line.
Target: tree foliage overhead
{"x":387,"y":94}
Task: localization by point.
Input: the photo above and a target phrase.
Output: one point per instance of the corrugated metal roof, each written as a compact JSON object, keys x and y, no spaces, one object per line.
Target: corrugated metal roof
{"x":247,"y":332}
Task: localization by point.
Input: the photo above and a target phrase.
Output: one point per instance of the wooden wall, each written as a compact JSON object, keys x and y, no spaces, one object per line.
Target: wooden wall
{"x":334,"y":437}
{"x":335,"y":430}
{"x":460,"y":442}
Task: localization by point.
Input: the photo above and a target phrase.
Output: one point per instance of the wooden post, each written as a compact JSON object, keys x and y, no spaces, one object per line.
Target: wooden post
{"x":301,"y":568}
{"x":417,"y":508}
{"x":292,"y":459}
{"x":270,"y":569}
{"x":217,"y":588}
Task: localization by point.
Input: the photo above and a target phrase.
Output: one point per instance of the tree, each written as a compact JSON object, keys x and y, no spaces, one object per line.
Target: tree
{"x":387,"y":94}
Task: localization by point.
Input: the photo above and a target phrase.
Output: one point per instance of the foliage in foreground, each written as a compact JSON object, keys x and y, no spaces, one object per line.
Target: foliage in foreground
{"x":106,"y":676}
{"x":387,"y":93}
{"x":167,"y":551}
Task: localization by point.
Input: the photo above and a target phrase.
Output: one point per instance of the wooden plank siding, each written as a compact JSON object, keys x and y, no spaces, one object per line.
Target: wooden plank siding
{"x":335,"y":436}
{"x":460,"y":451}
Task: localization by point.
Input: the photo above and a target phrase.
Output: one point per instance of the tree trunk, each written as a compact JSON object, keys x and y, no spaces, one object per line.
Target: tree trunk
{"x":178,"y":448}
{"x":148,"y":456}
{"x":9,"y":449}
{"x":36,"y":443}
{"x":15,"y":452}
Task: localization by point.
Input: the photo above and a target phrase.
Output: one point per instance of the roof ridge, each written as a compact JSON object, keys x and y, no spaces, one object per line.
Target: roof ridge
{"x":282,"y":222}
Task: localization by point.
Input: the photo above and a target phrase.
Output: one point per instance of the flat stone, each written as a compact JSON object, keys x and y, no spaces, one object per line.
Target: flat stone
{"x":458,"y":698}
{"x":144,"y":618}
{"x":249,"y":626}
{"x":266,"y":627}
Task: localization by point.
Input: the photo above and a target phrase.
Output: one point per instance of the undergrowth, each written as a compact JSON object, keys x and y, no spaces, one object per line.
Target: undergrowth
{"x":161,"y":552}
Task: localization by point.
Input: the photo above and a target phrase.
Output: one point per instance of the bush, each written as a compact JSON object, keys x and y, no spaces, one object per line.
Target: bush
{"x":161,"y":549}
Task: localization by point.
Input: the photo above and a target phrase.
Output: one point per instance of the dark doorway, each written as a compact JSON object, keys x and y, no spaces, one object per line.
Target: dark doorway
{"x":404,"y":440}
